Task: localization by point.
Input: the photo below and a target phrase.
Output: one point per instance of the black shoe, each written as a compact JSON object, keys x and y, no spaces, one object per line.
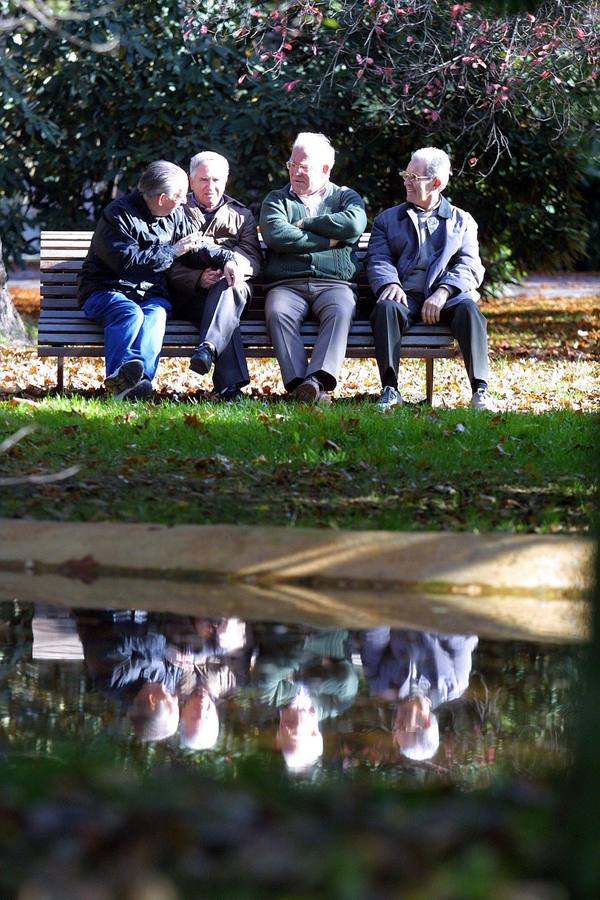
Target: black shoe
{"x":124,"y":378}
{"x":203,"y":359}
{"x":142,"y":391}
{"x":309,"y":391}
{"x":231,"y":394}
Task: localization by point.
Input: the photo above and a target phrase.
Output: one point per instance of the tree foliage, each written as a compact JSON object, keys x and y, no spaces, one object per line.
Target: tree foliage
{"x":423,"y":63}
{"x":79,"y":127}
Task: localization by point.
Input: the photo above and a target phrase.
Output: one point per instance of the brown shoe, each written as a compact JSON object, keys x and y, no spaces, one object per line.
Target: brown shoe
{"x":308,"y":392}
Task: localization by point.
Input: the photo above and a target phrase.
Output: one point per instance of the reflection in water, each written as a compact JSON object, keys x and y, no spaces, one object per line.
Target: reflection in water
{"x":308,"y":678}
{"x":164,"y":688}
{"x":420,"y":671}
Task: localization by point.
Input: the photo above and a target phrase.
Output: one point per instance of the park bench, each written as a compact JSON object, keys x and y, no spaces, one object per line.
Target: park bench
{"x":65,"y":331}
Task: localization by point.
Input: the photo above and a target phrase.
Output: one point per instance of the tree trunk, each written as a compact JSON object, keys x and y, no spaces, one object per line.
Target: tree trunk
{"x":12,"y":329}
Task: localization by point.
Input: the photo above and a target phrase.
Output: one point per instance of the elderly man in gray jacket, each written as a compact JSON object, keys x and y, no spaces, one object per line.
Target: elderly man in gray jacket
{"x":423,"y":265}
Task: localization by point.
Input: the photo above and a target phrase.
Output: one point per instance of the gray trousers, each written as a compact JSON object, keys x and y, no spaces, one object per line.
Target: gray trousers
{"x":217,"y":312}
{"x":288,"y":304}
{"x":468,"y":325}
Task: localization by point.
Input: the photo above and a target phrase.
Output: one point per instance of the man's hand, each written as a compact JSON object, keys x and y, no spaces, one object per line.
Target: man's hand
{"x":299,"y":223}
{"x":430,"y":311}
{"x":334,"y":243}
{"x":189,"y":242}
{"x":234,"y":273}
{"x":209,"y":277}
{"x":393,"y":292}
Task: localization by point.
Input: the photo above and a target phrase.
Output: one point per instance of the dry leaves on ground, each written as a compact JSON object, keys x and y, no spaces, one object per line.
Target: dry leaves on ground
{"x":543,"y":350}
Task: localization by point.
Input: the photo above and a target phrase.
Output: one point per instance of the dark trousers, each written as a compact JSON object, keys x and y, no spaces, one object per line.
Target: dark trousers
{"x":217,"y":312}
{"x":390,"y":320}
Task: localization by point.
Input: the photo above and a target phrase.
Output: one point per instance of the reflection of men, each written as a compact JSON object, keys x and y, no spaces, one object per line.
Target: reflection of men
{"x":199,"y":726}
{"x":423,"y":266}
{"x":133,"y":662}
{"x":123,"y":279}
{"x":212,"y":297}
{"x":308,"y":679}
{"x":421,"y":671}
{"x":311,"y":228}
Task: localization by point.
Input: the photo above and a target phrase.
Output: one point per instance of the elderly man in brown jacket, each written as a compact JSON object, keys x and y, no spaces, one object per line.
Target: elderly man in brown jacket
{"x":209,"y":296}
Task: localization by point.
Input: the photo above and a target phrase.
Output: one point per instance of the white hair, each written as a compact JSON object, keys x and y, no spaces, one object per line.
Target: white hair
{"x":319,"y":144}
{"x":420,"y":744}
{"x":208,"y":156}
{"x":437,"y":162}
{"x":303,"y":755}
{"x":204,"y":737}
{"x":155,"y":727}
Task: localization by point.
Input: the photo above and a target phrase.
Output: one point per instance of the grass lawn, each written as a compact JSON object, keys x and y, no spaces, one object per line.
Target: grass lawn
{"x":278,"y":464}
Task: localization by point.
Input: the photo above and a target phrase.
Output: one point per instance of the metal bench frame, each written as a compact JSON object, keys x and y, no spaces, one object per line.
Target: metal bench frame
{"x":65,"y":331}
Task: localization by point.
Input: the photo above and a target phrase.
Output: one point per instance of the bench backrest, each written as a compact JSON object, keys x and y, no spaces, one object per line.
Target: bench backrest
{"x":62,"y":254}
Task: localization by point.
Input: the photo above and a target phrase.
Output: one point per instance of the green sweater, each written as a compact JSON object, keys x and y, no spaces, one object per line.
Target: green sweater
{"x":305,"y":252}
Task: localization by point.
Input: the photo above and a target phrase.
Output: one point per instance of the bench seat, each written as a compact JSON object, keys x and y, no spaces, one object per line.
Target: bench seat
{"x":65,"y":331}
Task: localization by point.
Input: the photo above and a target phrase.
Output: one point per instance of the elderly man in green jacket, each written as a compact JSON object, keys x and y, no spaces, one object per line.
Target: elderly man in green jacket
{"x":311,"y":228}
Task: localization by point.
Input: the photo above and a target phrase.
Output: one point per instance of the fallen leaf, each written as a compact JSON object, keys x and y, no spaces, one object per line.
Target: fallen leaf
{"x":23,"y":401}
{"x":193,"y":420}
{"x":84,"y":569}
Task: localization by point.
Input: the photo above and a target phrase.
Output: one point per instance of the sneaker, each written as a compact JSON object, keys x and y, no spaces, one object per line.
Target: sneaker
{"x":482,"y":400}
{"x":308,"y":392}
{"x":390,"y":397}
{"x":203,"y":359}
{"x":142,"y":391}
{"x":127,"y":376}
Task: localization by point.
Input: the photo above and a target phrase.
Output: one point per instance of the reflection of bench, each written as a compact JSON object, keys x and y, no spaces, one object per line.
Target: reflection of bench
{"x":55,"y":634}
{"x":65,"y":331}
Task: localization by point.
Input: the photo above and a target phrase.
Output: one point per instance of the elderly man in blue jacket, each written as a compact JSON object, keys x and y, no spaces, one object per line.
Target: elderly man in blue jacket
{"x":423,"y":265}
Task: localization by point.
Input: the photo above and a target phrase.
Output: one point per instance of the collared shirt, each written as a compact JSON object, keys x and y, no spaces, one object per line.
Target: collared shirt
{"x":428,"y":222}
{"x":312,"y":202}
{"x":208,"y":214}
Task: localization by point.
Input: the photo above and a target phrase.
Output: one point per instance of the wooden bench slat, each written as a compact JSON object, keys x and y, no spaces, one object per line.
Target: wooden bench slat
{"x":67,"y":252}
{"x":75,"y":244}
{"x":63,"y":265}
{"x":66,"y":235}
{"x":58,"y":278}
{"x":59,"y":290}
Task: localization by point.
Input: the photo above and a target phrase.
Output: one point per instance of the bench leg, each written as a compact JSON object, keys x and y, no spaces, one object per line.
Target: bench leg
{"x":60,"y":374}
{"x":429,"y":379}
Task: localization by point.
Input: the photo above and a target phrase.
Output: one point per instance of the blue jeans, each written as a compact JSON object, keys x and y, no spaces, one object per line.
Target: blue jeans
{"x":131,"y":330}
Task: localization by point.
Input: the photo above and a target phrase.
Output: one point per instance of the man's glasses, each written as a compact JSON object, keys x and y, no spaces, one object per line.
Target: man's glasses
{"x":299,"y":168}
{"x":410,"y":178}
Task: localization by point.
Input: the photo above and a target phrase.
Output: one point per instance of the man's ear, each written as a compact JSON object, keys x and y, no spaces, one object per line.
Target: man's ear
{"x":437,"y":183}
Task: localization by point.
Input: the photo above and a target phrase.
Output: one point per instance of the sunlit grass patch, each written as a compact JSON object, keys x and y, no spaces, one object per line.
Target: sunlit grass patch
{"x":278,"y":463}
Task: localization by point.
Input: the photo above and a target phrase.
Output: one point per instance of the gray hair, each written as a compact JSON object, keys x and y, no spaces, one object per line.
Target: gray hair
{"x":208,"y":156}
{"x":162,"y":177}
{"x":437,"y":162}
{"x":319,"y":143}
